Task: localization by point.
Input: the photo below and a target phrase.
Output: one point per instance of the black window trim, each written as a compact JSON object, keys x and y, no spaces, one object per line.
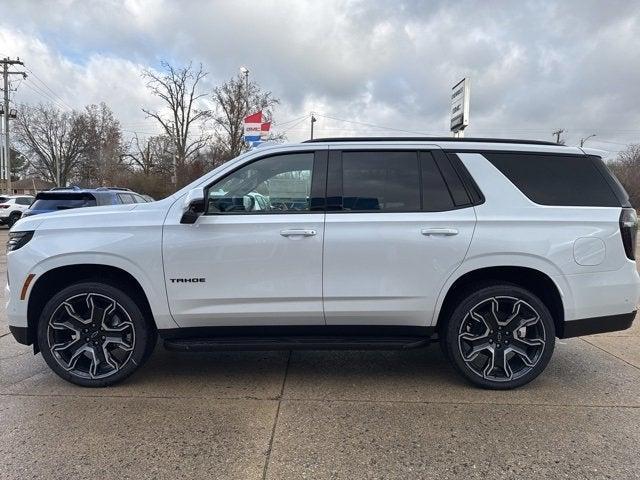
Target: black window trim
{"x":335,"y":181}
{"x":317,"y":195}
{"x":468,"y":182}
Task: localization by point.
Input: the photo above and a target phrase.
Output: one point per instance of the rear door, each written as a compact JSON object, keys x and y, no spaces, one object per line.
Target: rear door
{"x":395,"y":230}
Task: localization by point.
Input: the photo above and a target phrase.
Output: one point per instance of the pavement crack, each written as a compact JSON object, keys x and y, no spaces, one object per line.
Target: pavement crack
{"x":265,"y":470}
{"x":612,"y":354}
{"x":315,"y":400}
{"x":460,"y":403}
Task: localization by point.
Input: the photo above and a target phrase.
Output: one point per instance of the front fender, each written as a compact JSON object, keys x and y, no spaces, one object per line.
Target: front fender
{"x":128,"y":240}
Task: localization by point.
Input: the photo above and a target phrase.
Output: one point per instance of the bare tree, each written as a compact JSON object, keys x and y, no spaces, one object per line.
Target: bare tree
{"x":102,"y":156}
{"x":52,"y":141}
{"x":153,"y":155}
{"x":626,"y":166}
{"x":19,"y":164}
{"x":231,"y":108}
{"x":179,"y":90}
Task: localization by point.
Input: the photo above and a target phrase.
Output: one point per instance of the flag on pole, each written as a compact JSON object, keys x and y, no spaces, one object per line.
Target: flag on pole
{"x":255,"y":130}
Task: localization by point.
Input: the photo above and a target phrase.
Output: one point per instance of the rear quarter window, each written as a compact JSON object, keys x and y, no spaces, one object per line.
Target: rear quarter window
{"x":126,"y":198}
{"x":563,"y":180}
{"x":63,"y":201}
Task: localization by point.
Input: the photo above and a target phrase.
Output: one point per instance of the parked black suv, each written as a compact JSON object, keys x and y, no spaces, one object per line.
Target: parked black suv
{"x":65,"y":198}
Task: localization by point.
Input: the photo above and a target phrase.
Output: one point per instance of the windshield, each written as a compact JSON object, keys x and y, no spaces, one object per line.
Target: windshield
{"x":62,"y":201}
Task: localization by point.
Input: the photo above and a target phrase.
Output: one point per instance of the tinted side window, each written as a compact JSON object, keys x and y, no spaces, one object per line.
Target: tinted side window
{"x":126,"y":198}
{"x":435,"y":194}
{"x":63,"y":201}
{"x":380,"y":181}
{"x":567,"y":180}
{"x":618,"y":190}
{"x":23,"y":201}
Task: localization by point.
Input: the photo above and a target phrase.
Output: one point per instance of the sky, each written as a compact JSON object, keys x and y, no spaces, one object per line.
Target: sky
{"x":364,"y":67}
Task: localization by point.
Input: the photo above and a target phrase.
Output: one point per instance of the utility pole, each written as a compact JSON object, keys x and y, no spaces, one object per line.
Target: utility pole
{"x":584,"y":140}
{"x":557,"y":133}
{"x":6,"y":62}
{"x":313,"y":120}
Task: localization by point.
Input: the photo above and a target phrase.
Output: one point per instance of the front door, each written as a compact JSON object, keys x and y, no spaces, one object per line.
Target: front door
{"x":395,"y":231}
{"x":255,"y":256}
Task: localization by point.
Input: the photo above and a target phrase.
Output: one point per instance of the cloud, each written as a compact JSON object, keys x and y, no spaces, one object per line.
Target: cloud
{"x":534,"y":66}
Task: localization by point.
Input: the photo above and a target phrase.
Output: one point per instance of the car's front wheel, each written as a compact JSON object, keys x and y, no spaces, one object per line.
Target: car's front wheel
{"x":500,"y":336}
{"x":93,"y":334}
{"x":13,"y":218}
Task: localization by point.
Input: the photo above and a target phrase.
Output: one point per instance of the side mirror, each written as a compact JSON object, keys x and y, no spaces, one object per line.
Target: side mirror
{"x":193,"y":206}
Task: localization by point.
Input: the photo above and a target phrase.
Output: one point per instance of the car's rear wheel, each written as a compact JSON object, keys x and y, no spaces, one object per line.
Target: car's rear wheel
{"x":500,"y":336}
{"x":93,"y":334}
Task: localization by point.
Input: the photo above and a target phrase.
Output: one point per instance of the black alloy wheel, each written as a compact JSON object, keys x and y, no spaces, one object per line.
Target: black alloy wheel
{"x":93,"y":334}
{"x":500,"y":337}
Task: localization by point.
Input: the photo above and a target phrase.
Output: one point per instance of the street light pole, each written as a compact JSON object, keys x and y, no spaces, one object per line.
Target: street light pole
{"x":245,"y":71}
{"x":584,"y":140}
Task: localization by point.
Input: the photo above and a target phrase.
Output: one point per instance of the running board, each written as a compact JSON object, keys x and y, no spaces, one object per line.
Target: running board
{"x":213,"y":344}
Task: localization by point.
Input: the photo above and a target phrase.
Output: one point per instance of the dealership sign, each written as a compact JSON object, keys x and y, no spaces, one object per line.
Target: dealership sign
{"x":460,"y":105}
{"x":255,"y":130}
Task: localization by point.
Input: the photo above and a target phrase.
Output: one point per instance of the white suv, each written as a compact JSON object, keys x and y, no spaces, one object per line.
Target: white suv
{"x":12,"y":207}
{"x":492,"y":247}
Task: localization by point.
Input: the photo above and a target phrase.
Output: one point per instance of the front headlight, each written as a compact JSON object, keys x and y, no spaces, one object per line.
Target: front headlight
{"x":18,"y":239}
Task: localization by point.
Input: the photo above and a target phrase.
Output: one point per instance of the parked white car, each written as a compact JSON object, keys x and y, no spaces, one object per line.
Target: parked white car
{"x":12,"y":206}
{"x":492,"y":247}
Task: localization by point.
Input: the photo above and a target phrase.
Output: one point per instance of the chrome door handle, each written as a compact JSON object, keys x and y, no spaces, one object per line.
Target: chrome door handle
{"x":446,"y":232}
{"x":297,"y":232}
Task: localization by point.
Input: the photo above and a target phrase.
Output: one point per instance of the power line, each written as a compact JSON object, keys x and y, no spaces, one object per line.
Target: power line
{"x":48,"y":88}
{"x":300,"y":122}
{"x":279,"y":124}
{"x":49,"y":98}
{"x":613,"y":143}
{"x":391,"y":129}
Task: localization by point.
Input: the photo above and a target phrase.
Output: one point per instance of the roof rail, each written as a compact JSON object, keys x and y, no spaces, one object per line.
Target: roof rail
{"x":70,"y":187}
{"x":431,"y":139}
{"x":114,"y":188}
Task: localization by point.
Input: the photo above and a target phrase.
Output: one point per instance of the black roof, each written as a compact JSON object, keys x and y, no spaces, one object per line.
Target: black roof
{"x":431,"y":139}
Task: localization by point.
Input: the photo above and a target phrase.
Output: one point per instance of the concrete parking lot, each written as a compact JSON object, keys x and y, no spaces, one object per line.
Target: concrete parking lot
{"x":319,"y":415}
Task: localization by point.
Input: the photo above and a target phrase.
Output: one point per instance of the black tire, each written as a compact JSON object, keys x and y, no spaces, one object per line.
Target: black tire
{"x":500,"y":336}
{"x":99,"y":340}
{"x":13,"y":218}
